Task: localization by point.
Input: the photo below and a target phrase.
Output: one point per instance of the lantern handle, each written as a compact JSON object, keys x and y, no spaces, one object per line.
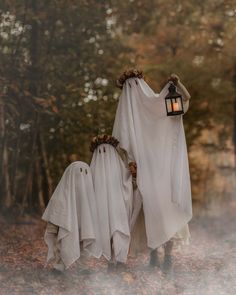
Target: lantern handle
{"x":172,"y":87}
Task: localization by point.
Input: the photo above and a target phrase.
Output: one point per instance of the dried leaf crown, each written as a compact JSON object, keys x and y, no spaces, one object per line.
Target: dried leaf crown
{"x":132,"y":73}
{"x":103,"y":139}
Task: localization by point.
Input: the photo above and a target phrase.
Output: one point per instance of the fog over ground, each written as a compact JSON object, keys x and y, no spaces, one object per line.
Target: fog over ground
{"x":207,"y":266}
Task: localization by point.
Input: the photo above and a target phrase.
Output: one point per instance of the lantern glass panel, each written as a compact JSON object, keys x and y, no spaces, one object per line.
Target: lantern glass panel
{"x":177,"y":104}
{"x":169,"y":103}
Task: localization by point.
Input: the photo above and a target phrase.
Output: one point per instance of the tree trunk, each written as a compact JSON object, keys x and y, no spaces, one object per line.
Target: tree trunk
{"x":29,"y":181}
{"x":5,"y":176}
{"x":2,"y":129}
{"x":39,"y":183}
{"x":15,"y":166}
{"x":234,"y":132}
{"x":46,"y":165}
{"x":33,"y":78}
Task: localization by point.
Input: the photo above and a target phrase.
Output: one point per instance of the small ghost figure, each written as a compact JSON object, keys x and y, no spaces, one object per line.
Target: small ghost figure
{"x":113,"y":189}
{"x":72,"y":220}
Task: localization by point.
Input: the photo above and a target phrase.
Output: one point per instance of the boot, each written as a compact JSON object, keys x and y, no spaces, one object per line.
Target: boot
{"x":111,"y":266}
{"x":167,"y":264}
{"x":154,"y":260}
{"x":168,"y":260}
{"x":120,"y":266}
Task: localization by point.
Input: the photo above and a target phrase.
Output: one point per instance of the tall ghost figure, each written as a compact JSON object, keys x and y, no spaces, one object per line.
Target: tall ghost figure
{"x":157,"y":144}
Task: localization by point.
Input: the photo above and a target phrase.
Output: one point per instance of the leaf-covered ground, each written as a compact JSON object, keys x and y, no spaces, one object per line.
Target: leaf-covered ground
{"x":207,"y":266}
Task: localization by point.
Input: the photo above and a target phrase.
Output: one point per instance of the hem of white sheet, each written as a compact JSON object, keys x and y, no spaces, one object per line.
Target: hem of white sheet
{"x":71,"y":262}
{"x":117,"y":260}
{"x":109,"y":257}
{"x":178,"y":243}
{"x":170,"y":236}
{"x":92,"y":254}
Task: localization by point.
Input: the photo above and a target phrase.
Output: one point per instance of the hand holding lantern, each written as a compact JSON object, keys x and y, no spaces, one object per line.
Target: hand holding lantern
{"x":174,"y":78}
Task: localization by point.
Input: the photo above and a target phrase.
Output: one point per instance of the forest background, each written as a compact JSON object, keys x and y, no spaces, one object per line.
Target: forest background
{"x":59,"y":61}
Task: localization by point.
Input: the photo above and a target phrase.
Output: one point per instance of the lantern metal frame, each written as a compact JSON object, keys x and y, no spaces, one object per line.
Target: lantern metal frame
{"x":174,"y":97}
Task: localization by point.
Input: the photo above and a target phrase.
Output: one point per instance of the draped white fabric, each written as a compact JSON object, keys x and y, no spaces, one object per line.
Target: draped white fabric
{"x":72,"y":208}
{"x":113,"y":187}
{"x":157,"y":144}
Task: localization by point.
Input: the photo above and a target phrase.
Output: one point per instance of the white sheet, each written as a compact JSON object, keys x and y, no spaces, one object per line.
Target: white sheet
{"x":113,"y":188}
{"x":157,"y":144}
{"x":72,"y":208}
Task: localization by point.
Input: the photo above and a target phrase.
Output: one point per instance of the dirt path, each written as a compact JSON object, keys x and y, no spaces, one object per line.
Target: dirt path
{"x":207,"y":266}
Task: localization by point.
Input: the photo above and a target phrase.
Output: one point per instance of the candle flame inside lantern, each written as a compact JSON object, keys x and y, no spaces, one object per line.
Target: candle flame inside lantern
{"x":176,"y":106}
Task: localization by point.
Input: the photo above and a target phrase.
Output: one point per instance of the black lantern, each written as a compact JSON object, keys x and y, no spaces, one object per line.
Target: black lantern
{"x":174,"y":102}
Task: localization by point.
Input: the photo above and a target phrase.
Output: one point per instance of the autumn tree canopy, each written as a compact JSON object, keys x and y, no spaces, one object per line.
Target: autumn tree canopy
{"x":58,"y":64}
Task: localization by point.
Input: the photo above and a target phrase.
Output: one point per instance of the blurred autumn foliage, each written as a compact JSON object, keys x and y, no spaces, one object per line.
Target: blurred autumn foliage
{"x":59,"y":61}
